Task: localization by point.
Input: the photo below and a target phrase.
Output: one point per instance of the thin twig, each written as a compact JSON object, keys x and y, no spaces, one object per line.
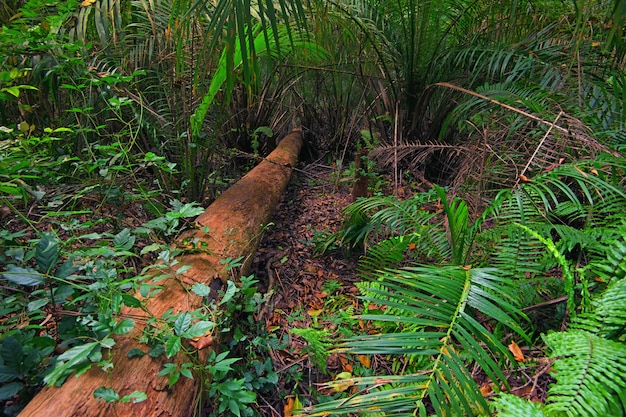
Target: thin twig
{"x":537,"y":149}
{"x":546,"y":304}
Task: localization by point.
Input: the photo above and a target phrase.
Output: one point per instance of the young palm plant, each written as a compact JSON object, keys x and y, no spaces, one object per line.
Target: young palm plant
{"x":435,"y":315}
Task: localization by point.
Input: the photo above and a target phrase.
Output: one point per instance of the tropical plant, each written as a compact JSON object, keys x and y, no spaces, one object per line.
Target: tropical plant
{"x":590,"y":357}
{"x":427,"y":304}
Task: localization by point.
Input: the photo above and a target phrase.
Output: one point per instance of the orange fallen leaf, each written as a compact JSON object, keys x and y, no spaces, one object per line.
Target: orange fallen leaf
{"x":87,"y":3}
{"x":288,"y":407}
{"x":346,"y":366}
{"x":517,"y":352}
{"x":365,"y":360}
{"x":524,"y":178}
{"x":411,"y":246}
{"x":486,"y":389}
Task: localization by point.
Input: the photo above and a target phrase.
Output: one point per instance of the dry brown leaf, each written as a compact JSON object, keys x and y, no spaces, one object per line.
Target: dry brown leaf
{"x":517,"y":352}
{"x":202,"y":342}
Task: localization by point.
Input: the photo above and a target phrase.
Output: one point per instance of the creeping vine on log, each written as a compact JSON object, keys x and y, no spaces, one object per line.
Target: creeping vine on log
{"x":234,"y":223}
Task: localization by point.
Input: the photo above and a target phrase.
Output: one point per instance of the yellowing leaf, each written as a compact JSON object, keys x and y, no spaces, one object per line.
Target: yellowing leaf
{"x":87,"y":3}
{"x":342,"y":382}
{"x":314,"y":313}
{"x":516,"y":351}
{"x":24,"y":127}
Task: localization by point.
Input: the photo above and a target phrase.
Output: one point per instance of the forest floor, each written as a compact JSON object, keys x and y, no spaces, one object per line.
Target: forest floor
{"x":320,"y":292}
{"x":309,"y":291}
{"x":302,"y":290}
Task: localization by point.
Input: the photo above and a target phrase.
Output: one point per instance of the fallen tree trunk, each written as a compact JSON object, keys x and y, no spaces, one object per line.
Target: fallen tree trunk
{"x":234,"y":221}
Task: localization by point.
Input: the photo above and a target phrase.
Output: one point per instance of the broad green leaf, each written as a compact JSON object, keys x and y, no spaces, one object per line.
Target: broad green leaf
{"x":199,"y":329}
{"x":135,"y":397}
{"x":8,"y":373}
{"x":107,"y":394}
{"x":151,"y":248}
{"x":173,"y":346}
{"x":168,"y":368}
{"x":124,"y":241}
{"x":135,"y":353}
{"x":9,"y":390}
{"x":186,"y":372}
{"x":156,"y":351}
{"x":69,"y":361}
{"x":230,"y":292}
{"x":173,"y":379}
{"x":37,"y":304}
{"x":14,"y":91}
{"x":182,"y":323}
{"x":66,"y":269}
{"x":186,"y":210}
{"x":131,"y":301}
{"x":47,"y":253}
{"x":201,"y":289}
{"x":125,"y":326}
{"x":23,"y":276}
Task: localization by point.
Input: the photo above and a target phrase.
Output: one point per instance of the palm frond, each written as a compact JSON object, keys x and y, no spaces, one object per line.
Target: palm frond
{"x":432,"y":306}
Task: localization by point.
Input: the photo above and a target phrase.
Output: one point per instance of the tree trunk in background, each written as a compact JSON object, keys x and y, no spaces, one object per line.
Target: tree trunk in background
{"x":235,"y":222}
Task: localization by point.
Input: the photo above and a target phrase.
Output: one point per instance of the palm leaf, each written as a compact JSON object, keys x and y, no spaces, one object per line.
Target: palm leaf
{"x":437,"y":304}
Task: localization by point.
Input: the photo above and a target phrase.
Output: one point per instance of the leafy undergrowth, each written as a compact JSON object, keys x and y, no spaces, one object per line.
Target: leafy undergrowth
{"x":315,"y":300}
{"x":283,"y":324}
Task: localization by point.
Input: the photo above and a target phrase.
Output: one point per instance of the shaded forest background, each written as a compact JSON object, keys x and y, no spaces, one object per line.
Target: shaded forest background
{"x":490,"y":137}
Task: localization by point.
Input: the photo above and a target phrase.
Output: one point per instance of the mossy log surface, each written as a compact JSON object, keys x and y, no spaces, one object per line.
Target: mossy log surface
{"x":235,"y":222}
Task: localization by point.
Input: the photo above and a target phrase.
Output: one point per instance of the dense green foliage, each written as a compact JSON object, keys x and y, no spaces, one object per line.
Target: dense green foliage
{"x":513,"y":111}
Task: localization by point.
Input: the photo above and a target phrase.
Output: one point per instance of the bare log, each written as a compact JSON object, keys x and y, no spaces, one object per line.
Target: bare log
{"x":234,"y":221}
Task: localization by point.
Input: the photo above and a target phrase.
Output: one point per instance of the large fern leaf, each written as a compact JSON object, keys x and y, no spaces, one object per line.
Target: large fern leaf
{"x":590,"y":373}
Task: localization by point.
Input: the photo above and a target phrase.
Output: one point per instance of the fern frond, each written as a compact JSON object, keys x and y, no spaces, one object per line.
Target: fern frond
{"x":608,"y":317}
{"x":388,"y":253}
{"x":380,"y":217}
{"x":590,"y":373}
{"x":614,"y":266}
{"x":437,"y":304}
{"x":509,"y":405}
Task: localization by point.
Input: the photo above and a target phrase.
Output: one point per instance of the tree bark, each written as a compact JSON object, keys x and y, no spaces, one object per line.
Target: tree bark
{"x":235,"y":222}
